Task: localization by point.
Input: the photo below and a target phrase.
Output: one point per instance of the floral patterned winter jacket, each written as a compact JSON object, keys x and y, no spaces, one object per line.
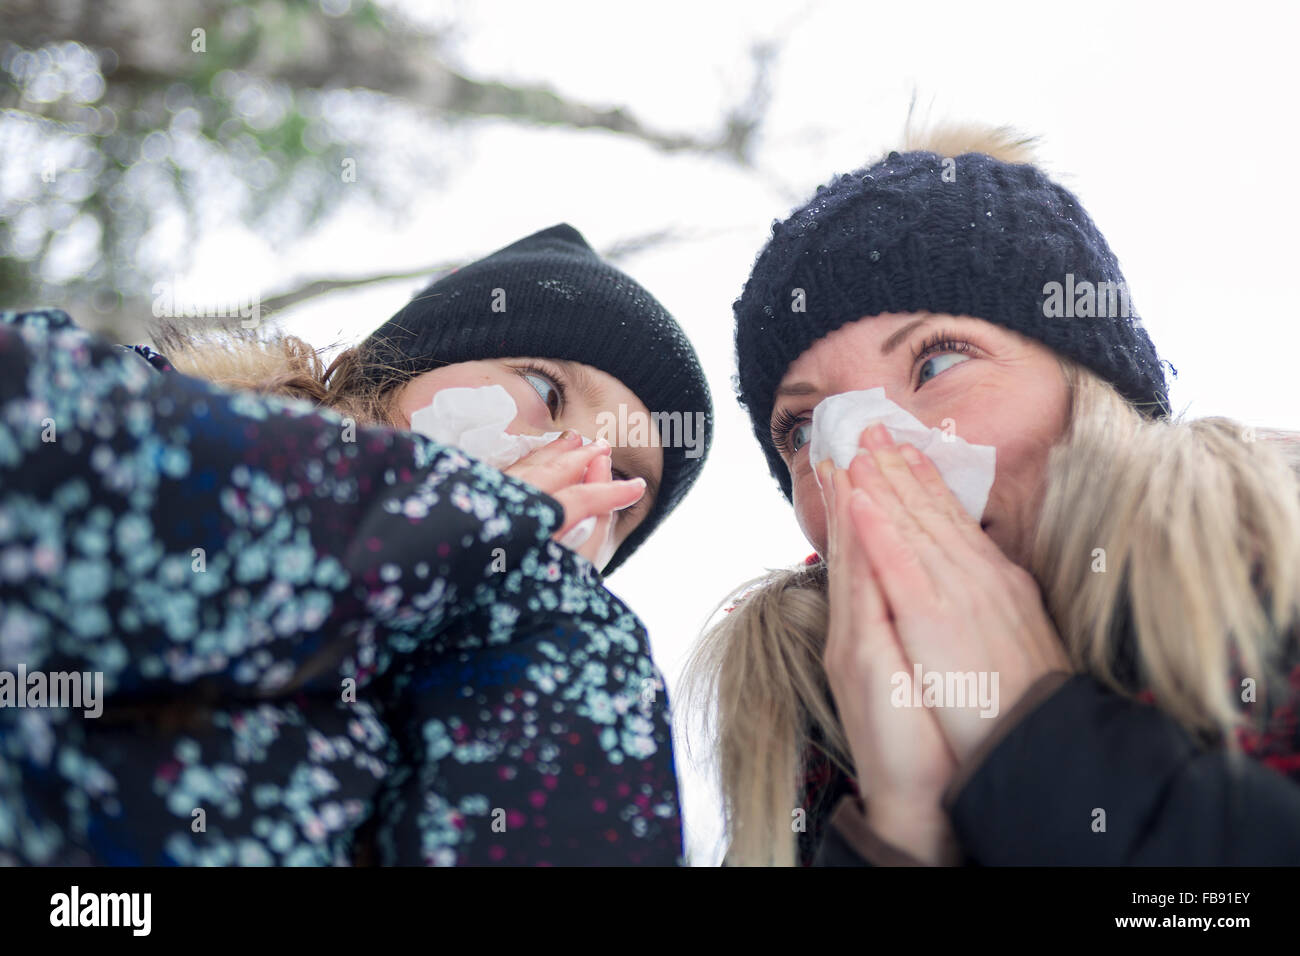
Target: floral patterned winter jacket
{"x":304,"y":631}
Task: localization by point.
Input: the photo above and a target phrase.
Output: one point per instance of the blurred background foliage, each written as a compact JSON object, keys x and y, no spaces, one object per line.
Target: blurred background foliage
{"x":126,"y":126}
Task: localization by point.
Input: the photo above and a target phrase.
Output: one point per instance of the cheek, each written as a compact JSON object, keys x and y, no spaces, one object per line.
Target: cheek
{"x":810,"y":511}
{"x":1023,"y":445}
{"x":1022,"y":461}
{"x":419,"y":392}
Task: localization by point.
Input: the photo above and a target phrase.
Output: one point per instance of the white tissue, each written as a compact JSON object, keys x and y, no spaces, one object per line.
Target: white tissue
{"x":577,"y":536}
{"x":475,"y":421}
{"x":838,"y":423}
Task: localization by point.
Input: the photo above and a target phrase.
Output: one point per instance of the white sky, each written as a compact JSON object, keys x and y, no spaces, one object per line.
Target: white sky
{"x":1168,"y":120}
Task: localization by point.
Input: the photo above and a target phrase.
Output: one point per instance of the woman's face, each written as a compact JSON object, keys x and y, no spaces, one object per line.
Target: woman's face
{"x":552,"y":395}
{"x":986,"y":384}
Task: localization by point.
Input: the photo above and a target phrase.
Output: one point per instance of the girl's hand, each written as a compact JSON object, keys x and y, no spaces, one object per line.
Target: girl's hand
{"x":903,"y":764}
{"x":600,"y":546}
{"x":578,"y":477}
{"x":959,"y":606}
{"x":558,"y":464}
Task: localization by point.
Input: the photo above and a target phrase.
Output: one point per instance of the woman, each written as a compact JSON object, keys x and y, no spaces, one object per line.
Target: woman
{"x":259,"y":581}
{"x":1133,"y":583}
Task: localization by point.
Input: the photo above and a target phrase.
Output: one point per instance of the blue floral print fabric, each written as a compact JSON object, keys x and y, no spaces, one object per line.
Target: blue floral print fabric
{"x":317,"y":642}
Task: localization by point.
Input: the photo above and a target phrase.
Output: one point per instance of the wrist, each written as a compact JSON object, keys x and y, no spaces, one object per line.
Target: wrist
{"x":924,"y":832}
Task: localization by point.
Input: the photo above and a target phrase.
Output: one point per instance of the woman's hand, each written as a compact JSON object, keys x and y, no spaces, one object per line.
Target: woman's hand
{"x":579,"y":477}
{"x":958,"y":605}
{"x":903,"y":764}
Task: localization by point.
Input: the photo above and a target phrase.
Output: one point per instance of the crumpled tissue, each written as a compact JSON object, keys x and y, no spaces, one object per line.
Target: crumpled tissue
{"x":838,"y":423}
{"x":475,"y":420}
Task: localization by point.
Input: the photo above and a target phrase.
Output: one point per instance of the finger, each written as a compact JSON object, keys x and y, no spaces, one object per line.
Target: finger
{"x":920,"y":502}
{"x":600,"y":547}
{"x":583,"y":501}
{"x":922,"y":544}
{"x":932,"y":515}
{"x":601,"y":468}
{"x":958,"y":554}
{"x":904,"y":578}
{"x":837,"y":571}
{"x":568,"y":440}
{"x":870,"y":611}
{"x":927,"y":475}
{"x":837,"y":576}
{"x":825,"y":481}
{"x":864,"y":646}
{"x":936,"y":601}
{"x":561,"y":468}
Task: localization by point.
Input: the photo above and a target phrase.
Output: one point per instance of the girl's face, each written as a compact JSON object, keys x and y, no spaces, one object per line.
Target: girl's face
{"x":552,"y":395}
{"x":997,"y":387}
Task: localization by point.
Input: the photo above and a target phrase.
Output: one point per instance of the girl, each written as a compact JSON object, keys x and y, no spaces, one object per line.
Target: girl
{"x":1133,"y":582}
{"x":259,"y":581}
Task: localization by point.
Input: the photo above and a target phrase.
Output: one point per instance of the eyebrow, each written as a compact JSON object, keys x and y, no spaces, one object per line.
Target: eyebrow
{"x":798,"y":388}
{"x":896,"y":339}
{"x":891,"y":343}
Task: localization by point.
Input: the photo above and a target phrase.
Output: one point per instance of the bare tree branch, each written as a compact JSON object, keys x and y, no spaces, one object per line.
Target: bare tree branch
{"x":314,"y":288}
{"x":151,"y":45}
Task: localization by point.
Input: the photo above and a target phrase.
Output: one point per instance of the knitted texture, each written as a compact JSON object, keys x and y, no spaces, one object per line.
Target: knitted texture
{"x":985,"y":240}
{"x":550,"y":295}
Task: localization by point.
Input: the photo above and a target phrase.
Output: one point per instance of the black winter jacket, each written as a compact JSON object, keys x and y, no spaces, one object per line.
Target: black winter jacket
{"x":1077,"y":775}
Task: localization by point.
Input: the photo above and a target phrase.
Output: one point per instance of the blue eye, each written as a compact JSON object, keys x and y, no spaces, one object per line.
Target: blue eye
{"x":939,"y":353}
{"x":935,"y":366}
{"x":551,"y":392}
{"x":800,"y":435}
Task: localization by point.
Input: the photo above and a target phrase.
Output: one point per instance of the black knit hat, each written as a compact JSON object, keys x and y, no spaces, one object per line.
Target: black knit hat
{"x":555,"y":298}
{"x":917,"y":233}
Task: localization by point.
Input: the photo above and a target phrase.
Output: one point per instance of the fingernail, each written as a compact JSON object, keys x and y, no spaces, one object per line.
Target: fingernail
{"x":910,"y":454}
{"x":601,"y":443}
{"x":569,"y":434}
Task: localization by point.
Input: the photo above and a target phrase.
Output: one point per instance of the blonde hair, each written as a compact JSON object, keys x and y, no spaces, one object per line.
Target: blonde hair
{"x":1196,"y":523}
